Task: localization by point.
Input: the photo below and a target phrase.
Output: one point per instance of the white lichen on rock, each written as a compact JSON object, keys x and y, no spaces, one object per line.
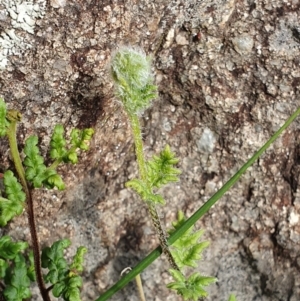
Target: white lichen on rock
{"x":21,"y":15}
{"x":282,"y":41}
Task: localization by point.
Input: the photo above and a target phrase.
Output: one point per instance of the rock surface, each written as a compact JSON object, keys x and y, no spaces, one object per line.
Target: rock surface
{"x":228,"y":76}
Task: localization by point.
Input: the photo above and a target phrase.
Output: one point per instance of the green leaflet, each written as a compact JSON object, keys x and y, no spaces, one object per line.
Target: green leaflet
{"x":80,"y":137}
{"x":14,"y":203}
{"x":53,"y":259}
{"x":36,"y":171}
{"x":79,"y":140}
{"x":192,"y":287}
{"x":161,"y":169}
{"x":144,"y":192}
{"x":77,"y":263}
{"x":8,"y":210}
{"x":69,"y":288}
{"x":30,"y":270}
{"x":9,"y":249}
{"x":16,"y":280}
{"x":58,"y":143}
{"x":63,"y":276}
{"x":13,"y":189}
{"x":187,"y":250}
{"x":14,"y":269}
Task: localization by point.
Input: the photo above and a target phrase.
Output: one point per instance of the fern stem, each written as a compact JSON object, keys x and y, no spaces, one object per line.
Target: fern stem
{"x":161,"y":236}
{"x":14,"y":117}
{"x":136,"y":129}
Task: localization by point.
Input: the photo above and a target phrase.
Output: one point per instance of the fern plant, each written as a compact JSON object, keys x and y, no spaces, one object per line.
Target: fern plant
{"x":15,"y":268}
{"x":63,"y":276}
{"x":131,"y":72}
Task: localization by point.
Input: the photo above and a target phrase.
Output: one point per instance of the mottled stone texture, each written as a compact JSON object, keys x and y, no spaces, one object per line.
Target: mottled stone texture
{"x":228,"y":76}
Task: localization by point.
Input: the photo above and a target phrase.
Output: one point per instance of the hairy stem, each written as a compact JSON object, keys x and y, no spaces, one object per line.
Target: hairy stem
{"x":14,"y":117}
{"x":136,"y":129}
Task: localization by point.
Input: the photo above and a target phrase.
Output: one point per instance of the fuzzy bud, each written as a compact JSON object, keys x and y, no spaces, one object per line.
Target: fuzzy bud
{"x":131,"y":72}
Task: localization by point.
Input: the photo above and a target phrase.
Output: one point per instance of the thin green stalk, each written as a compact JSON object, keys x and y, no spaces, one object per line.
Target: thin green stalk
{"x":137,"y":135}
{"x":196,"y":216}
{"x":14,"y":117}
{"x":136,"y":129}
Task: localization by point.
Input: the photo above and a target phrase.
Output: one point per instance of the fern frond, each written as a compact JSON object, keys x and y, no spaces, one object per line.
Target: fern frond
{"x":79,"y":138}
{"x":14,"y":203}
{"x":192,"y":287}
{"x":65,"y":279}
{"x":36,"y":171}
{"x":34,"y":162}
{"x":187,"y":250}
{"x":77,"y":262}
{"x":144,"y":192}
{"x":69,"y":289}
{"x":13,"y":189}
{"x":53,"y":259}
{"x":58,"y":143}
{"x":17,"y":282}
{"x":10,"y":249}
{"x":14,"y":269}
{"x":161,"y":169}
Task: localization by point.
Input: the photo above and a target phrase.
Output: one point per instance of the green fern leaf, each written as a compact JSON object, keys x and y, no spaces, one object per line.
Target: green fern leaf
{"x":14,"y":204}
{"x":17,"y":282}
{"x":187,"y":250}
{"x":54,"y":180}
{"x":191,"y":288}
{"x":8,"y":210}
{"x":3,"y":268}
{"x":177,"y":275}
{"x":13,"y":188}
{"x":144,"y":192}
{"x":64,"y":277}
{"x":52,"y":258}
{"x":161,"y":169}
{"x":189,"y":239}
{"x":58,"y":143}
{"x":77,"y":263}
{"x":9,"y":249}
{"x":36,"y":171}
{"x":72,"y":291}
{"x":33,"y":161}
{"x":31,"y":270}
{"x":79,"y":138}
